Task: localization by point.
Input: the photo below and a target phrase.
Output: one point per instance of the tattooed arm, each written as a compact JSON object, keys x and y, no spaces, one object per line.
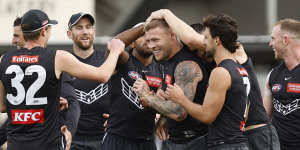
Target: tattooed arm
{"x":187,"y":75}
{"x":214,"y":97}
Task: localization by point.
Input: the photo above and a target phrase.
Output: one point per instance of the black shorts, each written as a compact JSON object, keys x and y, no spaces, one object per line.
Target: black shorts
{"x":115,"y":142}
{"x":263,"y":138}
{"x":199,"y":143}
{"x":237,"y":146}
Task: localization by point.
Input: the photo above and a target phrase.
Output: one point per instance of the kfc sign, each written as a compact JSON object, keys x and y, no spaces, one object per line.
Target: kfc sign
{"x":31,"y":116}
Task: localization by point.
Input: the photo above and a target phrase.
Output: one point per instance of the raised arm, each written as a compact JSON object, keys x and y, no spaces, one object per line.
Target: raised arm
{"x":267,"y":99}
{"x":128,"y":37}
{"x":187,"y":75}
{"x":183,"y":31}
{"x":66,"y":62}
{"x":214,"y":97}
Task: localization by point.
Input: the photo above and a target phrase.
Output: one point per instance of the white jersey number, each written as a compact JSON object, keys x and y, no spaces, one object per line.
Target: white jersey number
{"x":248,"y":86}
{"x":33,"y":88}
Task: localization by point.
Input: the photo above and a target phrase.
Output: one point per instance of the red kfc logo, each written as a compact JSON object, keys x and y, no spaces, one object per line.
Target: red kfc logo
{"x":31,"y":116}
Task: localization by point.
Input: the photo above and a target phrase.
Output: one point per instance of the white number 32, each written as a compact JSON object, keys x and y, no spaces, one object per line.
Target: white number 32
{"x":33,"y":88}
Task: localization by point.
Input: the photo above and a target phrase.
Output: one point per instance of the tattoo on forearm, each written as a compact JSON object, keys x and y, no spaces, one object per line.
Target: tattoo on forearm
{"x":164,"y":107}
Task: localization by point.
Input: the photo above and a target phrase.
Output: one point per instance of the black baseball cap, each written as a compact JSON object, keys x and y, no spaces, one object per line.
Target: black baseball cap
{"x":76,"y":17}
{"x":34,"y":20}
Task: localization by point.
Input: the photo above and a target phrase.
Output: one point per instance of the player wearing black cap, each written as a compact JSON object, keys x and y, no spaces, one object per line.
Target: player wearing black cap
{"x":30,"y":84}
{"x":92,"y":96}
{"x":71,"y":110}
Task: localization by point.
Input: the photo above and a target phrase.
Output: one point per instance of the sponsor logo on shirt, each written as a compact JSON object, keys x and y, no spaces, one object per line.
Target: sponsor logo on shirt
{"x":31,"y":116}
{"x":25,"y":59}
{"x":293,"y":88}
{"x":134,"y":75}
{"x":153,"y":81}
{"x":276,"y":87}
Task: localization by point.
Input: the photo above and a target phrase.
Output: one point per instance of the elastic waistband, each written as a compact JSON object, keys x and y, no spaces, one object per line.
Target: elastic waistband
{"x":241,"y":144}
{"x":183,"y":140}
{"x":265,"y":127}
{"x":87,"y":137}
{"x":130,"y":139}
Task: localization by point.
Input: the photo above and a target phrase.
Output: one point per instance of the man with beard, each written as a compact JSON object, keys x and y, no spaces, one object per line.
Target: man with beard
{"x":183,"y":68}
{"x":225,"y":103}
{"x":92,"y":96}
{"x":130,"y":125}
{"x":31,"y":82}
{"x":282,"y":88}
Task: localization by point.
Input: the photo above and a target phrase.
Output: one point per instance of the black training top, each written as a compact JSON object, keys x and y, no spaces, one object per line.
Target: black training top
{"x":257,"y":113}
{"x":285,"y":88}
{"x":190,"y":128}
{"x":93,"y":98}
{"x":32,"y":100}
{"x":229,"y":125}
{"x":128,"y":118}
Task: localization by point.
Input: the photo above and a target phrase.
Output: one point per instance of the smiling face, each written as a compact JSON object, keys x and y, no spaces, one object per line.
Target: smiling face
{"x":158,"y":40}
{"x":277,"y":42}
{"x":83,"y":34}
{"x":140,"y":46}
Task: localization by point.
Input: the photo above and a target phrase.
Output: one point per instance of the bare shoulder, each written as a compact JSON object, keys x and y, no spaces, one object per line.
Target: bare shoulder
{"x":188,"y":70}
{"x":220,"y":77}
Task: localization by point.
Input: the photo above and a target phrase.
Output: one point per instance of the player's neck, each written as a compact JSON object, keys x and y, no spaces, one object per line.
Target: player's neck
{"x":31,"y":44}
{"x":222,"y":54}
{"x":175,"y":49}
{"x":83,"y":53}
{"x":292,"y":60}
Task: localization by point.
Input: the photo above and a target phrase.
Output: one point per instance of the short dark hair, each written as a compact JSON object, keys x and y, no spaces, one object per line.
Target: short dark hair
{"x":198,"y":27}
{"x":224,"y":27}
{"x":17,"y":21}
{"x":31,"y":36}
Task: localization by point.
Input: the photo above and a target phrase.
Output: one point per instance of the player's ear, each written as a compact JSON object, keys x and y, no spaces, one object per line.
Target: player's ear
{"x":69,"y":33}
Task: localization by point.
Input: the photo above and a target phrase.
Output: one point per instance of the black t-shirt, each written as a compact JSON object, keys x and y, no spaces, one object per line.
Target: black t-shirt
{"x":257,"y":113}
{"x":285,"y":88}
{"x":189,"y":128}
{"x":93,"y":98}
{"x":228,"y":126}
{"x":128,"y":118}
{"x":32,"y":99}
